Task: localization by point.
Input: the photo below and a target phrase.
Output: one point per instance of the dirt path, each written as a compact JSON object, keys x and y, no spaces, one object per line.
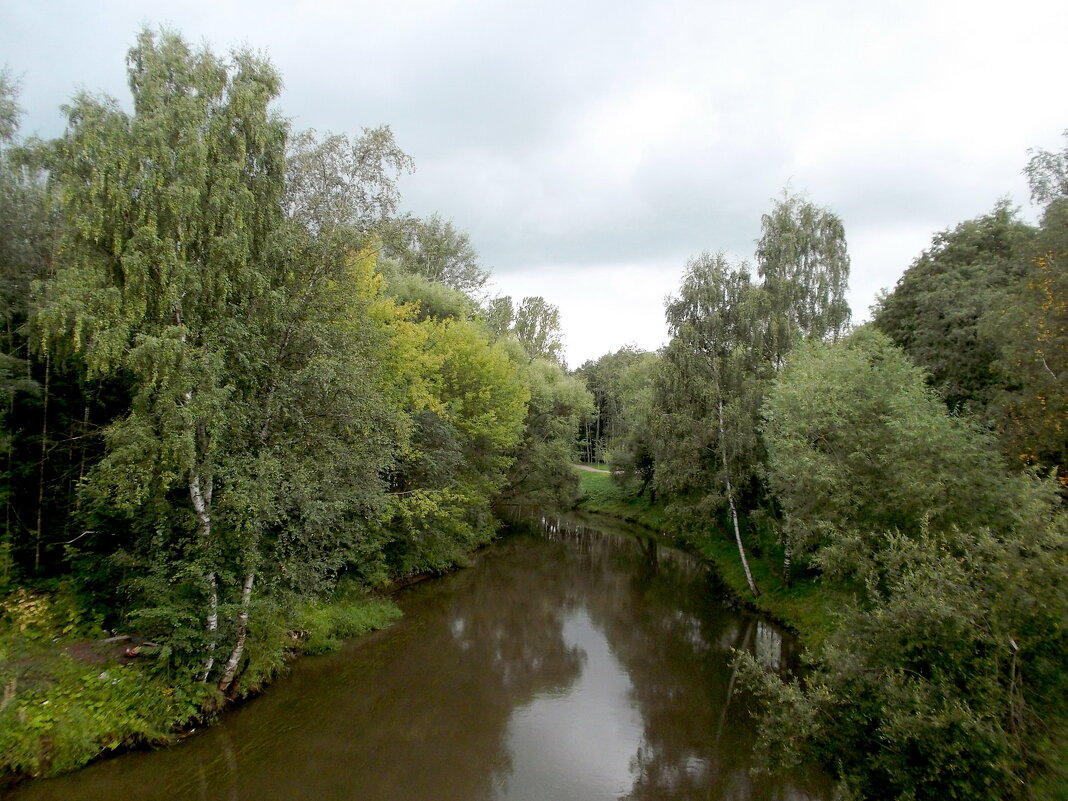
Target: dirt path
{"x":590,"y":469}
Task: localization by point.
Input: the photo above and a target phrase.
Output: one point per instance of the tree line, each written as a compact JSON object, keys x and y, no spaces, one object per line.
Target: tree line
{"x":235,"y":376}
{"x":908,"y":473}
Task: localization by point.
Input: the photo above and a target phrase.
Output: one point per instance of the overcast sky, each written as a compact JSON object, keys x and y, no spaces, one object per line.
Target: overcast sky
{"x":591,"y":148}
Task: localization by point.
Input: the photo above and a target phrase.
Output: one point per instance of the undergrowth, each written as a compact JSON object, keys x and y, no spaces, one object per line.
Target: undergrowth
{"x":67,"y":696}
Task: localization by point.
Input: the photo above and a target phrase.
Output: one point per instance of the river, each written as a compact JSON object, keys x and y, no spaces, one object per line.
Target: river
{"x":575,"y":659}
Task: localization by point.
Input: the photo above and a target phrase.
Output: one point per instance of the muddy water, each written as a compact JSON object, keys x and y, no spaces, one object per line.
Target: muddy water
{"x":570,"y":662}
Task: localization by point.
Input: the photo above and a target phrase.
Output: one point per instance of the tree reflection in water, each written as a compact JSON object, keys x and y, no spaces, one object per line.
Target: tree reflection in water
{"x":568,"y":663}
{"x":674,"y":637}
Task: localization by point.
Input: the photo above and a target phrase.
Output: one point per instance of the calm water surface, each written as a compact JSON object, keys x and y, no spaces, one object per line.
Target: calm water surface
{"x":570,"y":662}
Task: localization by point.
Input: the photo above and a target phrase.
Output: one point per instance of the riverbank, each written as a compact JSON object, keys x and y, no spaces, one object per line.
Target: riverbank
{"x":69,"y":695}
{"x":805,"y":608}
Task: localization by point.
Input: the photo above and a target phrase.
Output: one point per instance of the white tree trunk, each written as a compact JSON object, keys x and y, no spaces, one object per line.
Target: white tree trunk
{"x":734,"y":511}
{"x":242,"y":630}
{"x":201,"y":497}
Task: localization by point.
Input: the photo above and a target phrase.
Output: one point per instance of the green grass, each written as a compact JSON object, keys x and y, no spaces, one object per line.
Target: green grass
{"x":805,"y":607}
{"x":324,"y":626}
{"x":599,"y":493}
{"x":1054,"y":783}
{"x":57,"y":712}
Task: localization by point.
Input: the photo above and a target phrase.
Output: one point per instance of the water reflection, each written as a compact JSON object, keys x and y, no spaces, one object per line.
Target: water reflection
{"x":567,"y":664}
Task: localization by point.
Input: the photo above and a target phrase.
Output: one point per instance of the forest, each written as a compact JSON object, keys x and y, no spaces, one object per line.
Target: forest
{"x":240,"y":391}
{"x":898,"y":487}
{"x":243,"y":391}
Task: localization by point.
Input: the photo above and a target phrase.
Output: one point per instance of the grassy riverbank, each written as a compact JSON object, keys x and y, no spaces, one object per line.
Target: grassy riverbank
{"x":71,"y":693}
{"x":804,"y":607}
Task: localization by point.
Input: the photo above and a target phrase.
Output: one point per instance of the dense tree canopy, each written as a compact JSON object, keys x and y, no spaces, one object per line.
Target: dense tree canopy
{"x":238,"y":384}
{"x":939,"y":310}
{"x":276,"y":413}
{"x":854,"y":434}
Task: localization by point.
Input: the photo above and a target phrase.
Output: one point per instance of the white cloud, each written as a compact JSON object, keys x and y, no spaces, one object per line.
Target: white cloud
{"x":590,"y":148}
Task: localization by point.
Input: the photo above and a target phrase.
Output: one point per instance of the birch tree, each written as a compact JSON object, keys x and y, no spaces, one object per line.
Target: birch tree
{"x":709,"y":393}
{"x":169,"y":213}
{"x":802,"y":258}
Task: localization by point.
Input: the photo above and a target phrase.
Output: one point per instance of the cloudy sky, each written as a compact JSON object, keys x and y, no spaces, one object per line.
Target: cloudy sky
{"x":590,"y":148}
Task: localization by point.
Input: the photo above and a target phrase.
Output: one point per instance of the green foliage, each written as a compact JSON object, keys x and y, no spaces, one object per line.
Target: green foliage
{"x":939,"y":311}
{"x":84,"y":710}
{"x":856,"y":439}
{"x":729,"y":336}
{"x":943,"y":669}
{"x":1047,"y":173}
{"x":621,"y":384}
{"x":541,"y":473}
{"x":337,"y":187}
{"x":323,"y":626}
{"x":435,"y":530}
{"x":469,"y":401}
{"x":713,"y":362}
{"x":429,"y":297}
{"x":983,"y":311}
{"x":436,"y":251}
{"x":534,"y":324}
{"x":933,"y":685}
{"x":213,"y":262}
{"x":57,"y":713}
{"x":1032,"y":326}
{"x":801,"y":256}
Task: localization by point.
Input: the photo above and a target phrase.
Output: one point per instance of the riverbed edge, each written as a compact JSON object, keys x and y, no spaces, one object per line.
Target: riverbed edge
{"x":806,"y":610}
{"x":93,"y":711}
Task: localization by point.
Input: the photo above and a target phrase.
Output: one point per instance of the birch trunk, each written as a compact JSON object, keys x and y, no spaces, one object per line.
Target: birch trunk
{"x":734,"y":511}
{"x":211,"y":624}
{"x":201,"y":497}
{"x":242,"y":630}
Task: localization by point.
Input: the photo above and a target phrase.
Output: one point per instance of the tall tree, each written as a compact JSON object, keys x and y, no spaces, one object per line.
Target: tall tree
{"x":1032,"y":325}
{"x":802,"y":258}
{"x":169,"y":217}
{"x":436,"y":250}
{"x":336,"y":186}
{"x":709,"y":393}
{"x":537,"y":327}
{"x":939,"y":312}
{"x":534,"y":324}
{"x":1047,"y":173}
